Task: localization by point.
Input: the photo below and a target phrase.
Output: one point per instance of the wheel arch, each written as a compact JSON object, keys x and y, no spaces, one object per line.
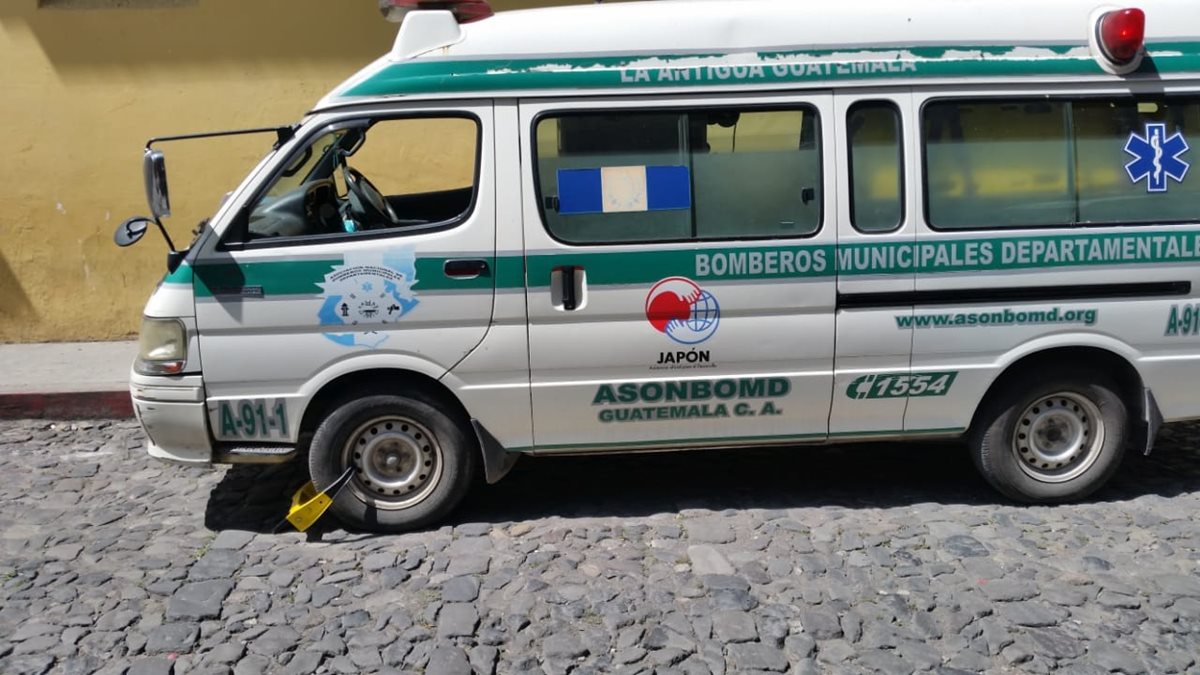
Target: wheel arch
{"x":1119,"y":366}
{"x":375,"y":375}
{"x":377,"y":380}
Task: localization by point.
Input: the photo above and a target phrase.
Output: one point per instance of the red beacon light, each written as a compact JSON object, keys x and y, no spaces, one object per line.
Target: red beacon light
{"x":464,"y":11}
{"x":1120,"y":35}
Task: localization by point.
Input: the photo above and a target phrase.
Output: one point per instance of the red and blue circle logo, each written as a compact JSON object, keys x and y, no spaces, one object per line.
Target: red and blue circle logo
{"x":682,"y":311}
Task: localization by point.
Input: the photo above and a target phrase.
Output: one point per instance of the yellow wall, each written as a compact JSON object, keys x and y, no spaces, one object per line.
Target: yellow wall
{"x":86,"y":82}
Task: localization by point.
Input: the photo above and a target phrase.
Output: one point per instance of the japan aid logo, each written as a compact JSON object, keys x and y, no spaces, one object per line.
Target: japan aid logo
{"x":681,"y":310}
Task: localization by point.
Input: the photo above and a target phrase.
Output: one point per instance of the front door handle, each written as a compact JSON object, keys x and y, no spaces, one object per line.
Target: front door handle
{"x":465,"y":269}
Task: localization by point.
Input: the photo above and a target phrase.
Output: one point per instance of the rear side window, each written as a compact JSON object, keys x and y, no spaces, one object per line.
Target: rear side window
{"x":1029,"y":163}
{"x":1121,"y":174}
{"x":679,"y":175}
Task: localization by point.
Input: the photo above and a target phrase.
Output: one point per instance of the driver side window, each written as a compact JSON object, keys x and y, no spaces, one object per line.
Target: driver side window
{"x":390,"y":174}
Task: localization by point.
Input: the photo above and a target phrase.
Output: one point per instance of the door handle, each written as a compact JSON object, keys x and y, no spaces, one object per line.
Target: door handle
{"x":570,"y":283}
{"x":570,"y":302}
{"x":465,"y":269}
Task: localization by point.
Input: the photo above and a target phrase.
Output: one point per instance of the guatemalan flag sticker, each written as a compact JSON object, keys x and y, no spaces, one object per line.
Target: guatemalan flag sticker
{"x":623,"y":189}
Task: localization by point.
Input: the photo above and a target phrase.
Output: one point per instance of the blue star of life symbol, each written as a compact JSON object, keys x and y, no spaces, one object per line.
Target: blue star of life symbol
{"x":1157,"y":157}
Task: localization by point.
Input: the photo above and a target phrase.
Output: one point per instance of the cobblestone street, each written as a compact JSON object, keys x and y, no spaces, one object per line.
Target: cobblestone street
{"x":891,"y":558}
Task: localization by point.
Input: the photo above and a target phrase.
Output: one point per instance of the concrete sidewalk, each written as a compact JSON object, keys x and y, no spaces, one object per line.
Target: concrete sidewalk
{"x":66,"y":380}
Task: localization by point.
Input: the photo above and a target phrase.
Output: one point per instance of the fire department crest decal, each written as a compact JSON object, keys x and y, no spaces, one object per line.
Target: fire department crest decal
{"x":365,"y":294}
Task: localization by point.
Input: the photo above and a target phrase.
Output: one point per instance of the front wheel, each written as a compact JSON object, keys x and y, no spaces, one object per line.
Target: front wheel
{"x":1055,"y":441}
{"x":412,"y":462}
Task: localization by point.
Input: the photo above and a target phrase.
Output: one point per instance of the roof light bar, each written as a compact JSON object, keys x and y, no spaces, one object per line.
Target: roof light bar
{"x":1120,"y":34}
{"x":464,"y":11}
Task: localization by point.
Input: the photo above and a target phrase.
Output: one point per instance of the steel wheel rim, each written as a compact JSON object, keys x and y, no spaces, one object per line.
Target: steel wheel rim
{"x":1058,"y":437}
{"x":397,"y":462}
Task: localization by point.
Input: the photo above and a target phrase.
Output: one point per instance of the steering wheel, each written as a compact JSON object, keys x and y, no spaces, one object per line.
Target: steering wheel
{"x":369,"y":199}
{"x":321,"y":206}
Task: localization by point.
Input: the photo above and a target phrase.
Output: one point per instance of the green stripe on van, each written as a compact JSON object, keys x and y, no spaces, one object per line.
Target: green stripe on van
{"x":737,"y":440}
{"x":644,"y":267}
{"x":967,"y":254}
{"x":1016,"y":253}
{"x":728,"y":263}
{"x":510,"y":271}
{"x":422,"y":76}
{"x":301,"y":277}
{"x":181,"y":275}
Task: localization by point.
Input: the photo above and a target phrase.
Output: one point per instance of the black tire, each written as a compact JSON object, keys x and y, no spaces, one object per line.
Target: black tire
{"x":413,"y":462}
{"x":1023,"y":440}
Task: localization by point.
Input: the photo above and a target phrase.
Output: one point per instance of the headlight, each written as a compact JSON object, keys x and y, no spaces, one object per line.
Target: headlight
{"x":162,"y":347}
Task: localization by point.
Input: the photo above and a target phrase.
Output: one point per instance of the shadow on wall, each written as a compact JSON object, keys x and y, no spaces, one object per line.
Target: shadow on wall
{"x":14,"y":304}
{"x":89,"y":34}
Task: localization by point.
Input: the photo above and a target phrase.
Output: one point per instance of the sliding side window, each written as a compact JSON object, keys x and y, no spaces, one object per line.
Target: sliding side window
{"x":680,"y":176}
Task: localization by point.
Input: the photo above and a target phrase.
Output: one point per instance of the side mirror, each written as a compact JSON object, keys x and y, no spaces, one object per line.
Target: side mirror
{"x":154,"y":170}
{"x":131,"y":231}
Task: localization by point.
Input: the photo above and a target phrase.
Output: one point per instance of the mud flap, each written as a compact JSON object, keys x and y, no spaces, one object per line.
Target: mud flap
{"x":496,"y":460}
{"x":1147,"y":428}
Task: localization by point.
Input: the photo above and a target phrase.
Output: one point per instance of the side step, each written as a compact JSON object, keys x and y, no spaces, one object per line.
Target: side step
{"x":266,"y":453}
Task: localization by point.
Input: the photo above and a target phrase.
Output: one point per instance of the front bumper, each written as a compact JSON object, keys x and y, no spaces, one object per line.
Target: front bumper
{"x":174,"y":416}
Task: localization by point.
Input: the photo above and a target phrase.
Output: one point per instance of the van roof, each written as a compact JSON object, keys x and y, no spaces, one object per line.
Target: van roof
{"x":734,"y":44}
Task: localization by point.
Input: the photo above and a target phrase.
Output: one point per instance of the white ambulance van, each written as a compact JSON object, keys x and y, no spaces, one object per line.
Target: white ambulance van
{"x":675,"y":225}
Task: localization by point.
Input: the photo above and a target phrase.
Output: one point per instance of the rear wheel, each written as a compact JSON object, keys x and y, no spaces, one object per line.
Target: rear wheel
{"x":1054,"y":441}
{"x":412,"y":463}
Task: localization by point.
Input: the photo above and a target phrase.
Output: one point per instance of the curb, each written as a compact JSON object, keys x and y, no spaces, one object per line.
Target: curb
{"x":71,"y":405}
